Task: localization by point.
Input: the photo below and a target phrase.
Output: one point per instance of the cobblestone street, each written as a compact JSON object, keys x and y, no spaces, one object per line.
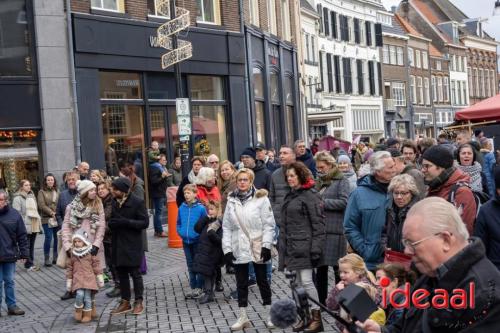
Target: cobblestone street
{"x":166,"y":309}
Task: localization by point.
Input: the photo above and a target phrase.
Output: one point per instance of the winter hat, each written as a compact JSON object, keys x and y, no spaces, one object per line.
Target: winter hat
{"x":391,"y":142}
{"x":83,"y":236}
{"x":343,"y":159}
{"x":496,"y":172}
{"x":83,"y":186}
{"x":394,"y":152}
{"x":122,"y":184}
{"x":439,"y":155}
{"x":249,"y":151}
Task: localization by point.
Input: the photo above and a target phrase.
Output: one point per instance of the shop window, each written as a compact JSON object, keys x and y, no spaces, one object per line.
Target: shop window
{"x":208,"y":11}
{"x":289,"y":116}
{"x":123,"y":134}
{"x":15,"y":40}
{"x":113,"y":5}
{"x":161,"y":86}
{"x":19,"y":159}
{"x":258,"y":89}
{"x":117,"y":85}
{"x":152,"y":9}
{"x":275,"y":91}
{"x":209,"y":131}
{"x":206,"y":87}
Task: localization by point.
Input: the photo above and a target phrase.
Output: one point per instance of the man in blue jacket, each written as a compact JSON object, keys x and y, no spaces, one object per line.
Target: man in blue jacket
{"x":305,"y":156}
{"x":365,"y":214}
{"x":13,"y":246}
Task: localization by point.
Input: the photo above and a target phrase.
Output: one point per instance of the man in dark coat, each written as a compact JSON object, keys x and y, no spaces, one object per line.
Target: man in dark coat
{"x":128,"y":219}
{"x":305,"y":156}
{"x":159,"y":180}
{"x":487,"y":225}
{"x":262,"y":174}
{"x":13,"y":247}
{"x":65,"y":198}
{"x":437,"y":239}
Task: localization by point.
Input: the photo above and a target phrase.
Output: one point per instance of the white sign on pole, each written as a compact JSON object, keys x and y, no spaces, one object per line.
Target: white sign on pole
{"x":182,"y":107}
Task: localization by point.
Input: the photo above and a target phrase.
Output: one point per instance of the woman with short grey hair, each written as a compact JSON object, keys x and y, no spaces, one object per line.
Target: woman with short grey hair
{"x":404,"y":194}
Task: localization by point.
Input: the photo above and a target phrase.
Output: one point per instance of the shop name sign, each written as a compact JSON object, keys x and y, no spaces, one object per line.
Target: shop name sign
{"x":182,"y":21}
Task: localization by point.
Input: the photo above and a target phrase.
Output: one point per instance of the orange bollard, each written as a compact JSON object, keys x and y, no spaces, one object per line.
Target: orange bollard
{"x":174,"y":240}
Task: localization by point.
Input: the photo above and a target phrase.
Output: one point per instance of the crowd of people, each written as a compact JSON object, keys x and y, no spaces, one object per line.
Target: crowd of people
{"x":364,"y":214}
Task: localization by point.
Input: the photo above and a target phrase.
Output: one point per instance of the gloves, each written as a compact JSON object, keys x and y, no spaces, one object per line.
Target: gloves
{"x":229,"y":258}
{"x":315,"y":258}
{"x":265,"y":254}
{"x":94,"y":250}
{"x":69,"y":282}
{"x":100,"y":281}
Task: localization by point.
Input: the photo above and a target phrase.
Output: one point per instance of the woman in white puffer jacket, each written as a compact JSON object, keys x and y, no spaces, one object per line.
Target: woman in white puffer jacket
{"x":248,"y":214}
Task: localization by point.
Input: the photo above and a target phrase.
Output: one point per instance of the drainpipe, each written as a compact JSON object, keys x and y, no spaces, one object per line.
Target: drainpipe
{"x":76,"y":118}
{"x":247,"y":69}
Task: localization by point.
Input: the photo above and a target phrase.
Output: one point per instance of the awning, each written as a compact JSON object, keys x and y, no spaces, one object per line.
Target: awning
{"x":486,"y":110}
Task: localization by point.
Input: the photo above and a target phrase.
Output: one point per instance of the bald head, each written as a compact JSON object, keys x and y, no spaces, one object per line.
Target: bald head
{"x":83,"y":168}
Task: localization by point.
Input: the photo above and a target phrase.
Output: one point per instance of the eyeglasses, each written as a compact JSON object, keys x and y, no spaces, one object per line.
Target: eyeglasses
{"x":401,"y":194}
{"x":412,"y":246}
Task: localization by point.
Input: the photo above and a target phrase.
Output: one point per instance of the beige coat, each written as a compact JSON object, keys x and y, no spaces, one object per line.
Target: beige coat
{"x":46,"y":204}
{"x":83,"y":271}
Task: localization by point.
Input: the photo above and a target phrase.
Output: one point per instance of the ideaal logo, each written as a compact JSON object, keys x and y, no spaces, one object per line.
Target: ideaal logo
{"x":423,"y":299}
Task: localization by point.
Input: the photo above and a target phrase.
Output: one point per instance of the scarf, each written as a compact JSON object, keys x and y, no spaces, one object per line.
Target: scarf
{"x":441,"y":179}
{"x":191,"y":177}
{"x":244,"y":196}
{"x":79,"y":212}
{"x":215,"y":225}
{"x":32,"y":213}
{"x":325,"y":180}
{"x":474,"y":171}
{"x":82,"y":251}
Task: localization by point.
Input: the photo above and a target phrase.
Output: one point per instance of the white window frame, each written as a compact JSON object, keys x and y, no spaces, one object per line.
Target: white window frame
{"x":477,"y":81}
{"x":385,"y":54}
{"x":117,"y":6}
{"x":440,"y":88}
{"x":156,"y":14}
{"x":446,"y":92}
{"x":427,"y":91}
{"x":285,"y":20}
{"x":434,"y":88}
{"x":411,"y":57}
{"x":271,"y":16}
{"x":215,"y":8}
{"x":494,"y":82}
{"x":481,"y":82}
{"x":400,"y":56}
{"x":418,"y":60}
{"x":438,"y":65}
{"x":459,"y":93}
{"x":413,"y":90}
{"x":398,"y":93}
{"x":453,"y":92}
{"x":420,"y":89}
{"x":453,"y":63}
{"x":425,"y":60}
{"x":487,"y":81}
{"x":392,"y":55}
{"x":253,"y":13}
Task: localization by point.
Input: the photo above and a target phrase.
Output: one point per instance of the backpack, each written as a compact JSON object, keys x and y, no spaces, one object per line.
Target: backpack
{"x":479,"y":196}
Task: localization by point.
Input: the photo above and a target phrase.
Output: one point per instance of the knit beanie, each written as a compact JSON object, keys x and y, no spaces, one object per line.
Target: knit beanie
{"x":83,"y":186}
{"x":249,"y":151}
{"x":122,"y":184}
{"x":394,"y":152}
{"x":83,"y":236}
{"x":439,"y":155}
{"x":496,"y":172}
{"x":343,"y":159}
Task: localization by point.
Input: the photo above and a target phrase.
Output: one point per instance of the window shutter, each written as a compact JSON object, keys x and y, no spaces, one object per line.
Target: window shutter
{"x":368,"y":29}
{"x":325,"y":19}
{"x":378,"y":35}
{"x":356,"y":31}
{"x":371,"y":76}
{"x":347,"y":75}
{"x":329,"y":71}
{"x":320,"y":11}
{"x":359,"y":64}
{"x":338,"y":88}
{"x":334,"y":24}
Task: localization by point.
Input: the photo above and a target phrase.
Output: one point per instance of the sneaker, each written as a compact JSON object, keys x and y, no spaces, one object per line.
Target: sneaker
{"x":190,"y":295}
{"x":15,"y":311}
{"x":233,"y":296}
{"x":208,"y":297}
{"x":33,"y":269}
{"x":198,"y":293}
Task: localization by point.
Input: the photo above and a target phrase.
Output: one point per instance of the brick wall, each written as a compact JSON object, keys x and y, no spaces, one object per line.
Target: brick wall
{"x":138,"y":9}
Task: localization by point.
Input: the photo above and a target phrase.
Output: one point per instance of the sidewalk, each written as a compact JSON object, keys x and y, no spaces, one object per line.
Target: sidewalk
{"x":166,"y":309}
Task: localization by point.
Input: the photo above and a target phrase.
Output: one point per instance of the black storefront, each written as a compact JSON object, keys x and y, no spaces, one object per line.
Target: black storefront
{"x":20,"y":121}
{"x":273,"y":76}
{"x":126,"y":100}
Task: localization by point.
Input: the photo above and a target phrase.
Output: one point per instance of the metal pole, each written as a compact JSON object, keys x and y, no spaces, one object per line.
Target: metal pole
{"x":184,"y":144}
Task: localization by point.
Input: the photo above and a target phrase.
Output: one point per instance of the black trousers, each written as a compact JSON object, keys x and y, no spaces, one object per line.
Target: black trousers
{"x":123,"y":274}
{"x":242,"y":283}
{"x":31,"y":260}
{"x":218,"y":276}
{"x":322,"y":283}
{"x":111,"y":267}
{"x":209,"y":281}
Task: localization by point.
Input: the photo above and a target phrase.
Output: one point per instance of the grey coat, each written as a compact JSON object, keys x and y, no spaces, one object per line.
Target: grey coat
{"x":279,"y":189}
{"x":334,"y":188}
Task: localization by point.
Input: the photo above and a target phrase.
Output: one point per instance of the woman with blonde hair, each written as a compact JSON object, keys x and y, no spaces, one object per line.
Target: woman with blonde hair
{"x":96,"y":177}
{"x":25,"y":203}
{"x":226,"y":181}
{"x":85,"y":212}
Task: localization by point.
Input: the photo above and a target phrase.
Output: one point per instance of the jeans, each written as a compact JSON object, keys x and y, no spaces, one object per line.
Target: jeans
{"x":50,"y":237}
{"x":159,"y":207}
{"x":305,"y":279}
{"x":195,"y":279}
{"x":31,"y":240}
{"x":123,"y":274}
{"x":7,"y":270}
{"x":242,"y":284}
{"x":269,"y":271}
{"x":83,"y":298}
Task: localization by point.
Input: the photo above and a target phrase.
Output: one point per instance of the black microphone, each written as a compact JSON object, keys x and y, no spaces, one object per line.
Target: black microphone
{"x":283,"y":313}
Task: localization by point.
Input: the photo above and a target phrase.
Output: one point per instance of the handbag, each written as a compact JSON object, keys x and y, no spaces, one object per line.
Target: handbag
{"x":395,"y":257}
{"x":255,"y":244}
{"x":62,"y":256}
{"x":52,"y":222}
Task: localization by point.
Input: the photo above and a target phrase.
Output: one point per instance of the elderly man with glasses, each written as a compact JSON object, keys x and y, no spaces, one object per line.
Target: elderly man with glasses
{"x":442,"y":177}
{"x":437,"y":239}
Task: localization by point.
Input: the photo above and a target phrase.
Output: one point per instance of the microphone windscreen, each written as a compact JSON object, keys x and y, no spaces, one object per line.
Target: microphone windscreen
{"x":283,"y":313}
